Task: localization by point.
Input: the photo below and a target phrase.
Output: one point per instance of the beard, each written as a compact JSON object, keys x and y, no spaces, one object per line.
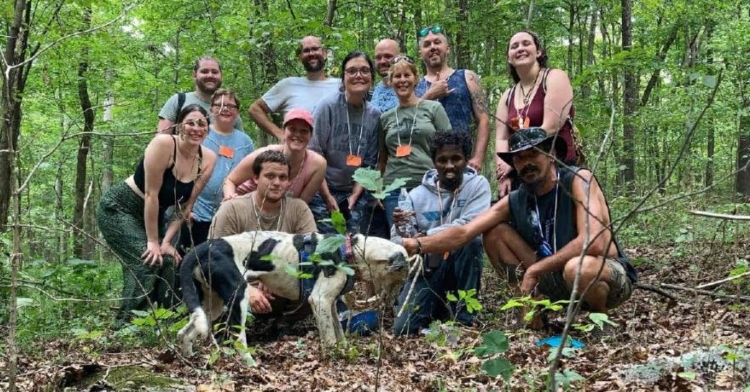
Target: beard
{"x":208,"y":90}
{"x":314,"y":68}
{"x":450,"y":184}
{"x":529,"y":169}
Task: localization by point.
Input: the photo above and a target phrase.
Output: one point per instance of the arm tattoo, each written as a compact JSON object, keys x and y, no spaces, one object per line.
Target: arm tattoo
{"x":478,"y":98}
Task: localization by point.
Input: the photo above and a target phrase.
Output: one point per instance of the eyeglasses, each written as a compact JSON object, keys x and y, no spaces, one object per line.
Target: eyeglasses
{"x":311,"y":49}
{"x":196,"y":123}
{"x":225,"y":106}
{"x":402,"y":58}
{"x":427,"y":30}
{"x":364,"y":71}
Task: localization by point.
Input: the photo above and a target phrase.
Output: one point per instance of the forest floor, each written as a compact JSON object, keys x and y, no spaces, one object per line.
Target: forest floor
{"x":694,"y":344}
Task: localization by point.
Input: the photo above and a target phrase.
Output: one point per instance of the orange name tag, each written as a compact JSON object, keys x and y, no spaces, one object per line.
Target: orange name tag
{"x":403,"y":151}
{"x":526,"y":122}
{"x":353,"y":160}
{"x":227,"y":152}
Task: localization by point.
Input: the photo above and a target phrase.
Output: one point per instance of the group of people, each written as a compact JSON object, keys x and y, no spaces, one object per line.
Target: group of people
{"x":201,"y":177}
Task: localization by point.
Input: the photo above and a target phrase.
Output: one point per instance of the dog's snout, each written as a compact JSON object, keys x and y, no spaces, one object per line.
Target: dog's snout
{"x":397,"y":261}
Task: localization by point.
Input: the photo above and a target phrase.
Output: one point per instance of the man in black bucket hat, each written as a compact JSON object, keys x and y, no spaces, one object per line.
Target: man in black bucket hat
{"x":540,"y":230}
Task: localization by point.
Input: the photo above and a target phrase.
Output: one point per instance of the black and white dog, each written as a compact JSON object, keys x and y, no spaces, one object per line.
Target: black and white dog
{"x":223,"y":266}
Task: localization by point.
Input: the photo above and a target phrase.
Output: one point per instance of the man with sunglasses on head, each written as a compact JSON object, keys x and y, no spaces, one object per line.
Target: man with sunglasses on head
{"x":207,"y":79}
{"x":458,"y":90}
{"x":296,"y":92}
{"x":541,"y":230}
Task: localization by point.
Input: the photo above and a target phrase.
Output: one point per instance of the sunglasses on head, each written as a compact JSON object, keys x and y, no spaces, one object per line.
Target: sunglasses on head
{"x":427,"y":30}
{"x":400,"y":58}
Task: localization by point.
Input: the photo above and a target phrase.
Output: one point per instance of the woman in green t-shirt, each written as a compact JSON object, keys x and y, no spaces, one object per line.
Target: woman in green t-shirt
{"x":407,"y":130}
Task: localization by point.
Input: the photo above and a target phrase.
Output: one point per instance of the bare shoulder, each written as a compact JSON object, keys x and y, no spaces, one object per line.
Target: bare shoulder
{"x":316,"y":159}
{"x":557,"y":75}
{"x":472,"y":79}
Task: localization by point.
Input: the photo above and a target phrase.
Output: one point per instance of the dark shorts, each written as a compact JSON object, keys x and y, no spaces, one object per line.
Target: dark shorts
{"x":553,"y":285}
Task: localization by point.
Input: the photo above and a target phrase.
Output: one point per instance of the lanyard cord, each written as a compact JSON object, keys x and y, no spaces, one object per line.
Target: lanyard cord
{"x":440,"y":202}
{"x":554,"y":214}
{"x":413,"y":123}
{"x":361,"y":127}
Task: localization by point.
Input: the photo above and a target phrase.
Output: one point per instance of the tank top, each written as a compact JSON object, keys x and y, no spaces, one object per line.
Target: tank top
{"x":534,"y":111}
{"x":457,"y":104}
{"x":560,"y":223}
{"x":172,"y":192}
{"x":296,"y":184}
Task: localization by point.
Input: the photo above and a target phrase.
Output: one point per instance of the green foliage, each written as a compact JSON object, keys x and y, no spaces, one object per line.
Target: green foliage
{"x":567,"y":377}
{"x":468,"y":298}
{"x":597,"y":320}
{"x":495,"y":343}
{"x":533,"y":305}
{"x":373,"y":182}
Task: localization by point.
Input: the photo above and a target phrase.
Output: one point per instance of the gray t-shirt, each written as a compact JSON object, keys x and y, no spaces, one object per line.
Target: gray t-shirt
{"x":341,"y":129}
{"x":415,"y":126}
{"x":170,"y":110}
{"x":299,"y":92}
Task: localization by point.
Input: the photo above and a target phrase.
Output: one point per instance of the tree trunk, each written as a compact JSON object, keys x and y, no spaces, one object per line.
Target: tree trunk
{"x":270,"y":72}
{"x":590,"y":56}
{"x":742,"y":178}
{"x":630,"y":96}
{"x":462,"y":45}
{"x":330,"y":13}
{"x":84,"y":144}
{"x":708,"y":179}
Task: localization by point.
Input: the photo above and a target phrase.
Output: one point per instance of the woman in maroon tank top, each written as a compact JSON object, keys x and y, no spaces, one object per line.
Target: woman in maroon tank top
{"x":541,"y":97}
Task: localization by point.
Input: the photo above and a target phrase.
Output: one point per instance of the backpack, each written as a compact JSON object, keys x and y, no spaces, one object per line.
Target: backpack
{"x":574,"y":132}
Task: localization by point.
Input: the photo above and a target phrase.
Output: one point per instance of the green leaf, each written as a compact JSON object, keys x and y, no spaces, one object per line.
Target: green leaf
{"x":290,"y":270}
{"x":339,"y":222}
{"x":451,"y":297}
{"x":396,"y":184}
{"x":88,"y":263}
{"x":600,"y":319}
{"x":347,"y":270}
{"x":709,"y":81}
{"x":512,"y":303}
{"x":330,"y":244}
{"x":687,"y":375}
{"x":493,"y":342}
{"x":498,"y":367}
{"x":369,"y":179}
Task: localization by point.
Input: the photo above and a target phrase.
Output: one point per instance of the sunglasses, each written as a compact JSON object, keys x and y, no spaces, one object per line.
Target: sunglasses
{"x":196,"y":123}
{"x":400,"y":58}
{"x":427,"y":30}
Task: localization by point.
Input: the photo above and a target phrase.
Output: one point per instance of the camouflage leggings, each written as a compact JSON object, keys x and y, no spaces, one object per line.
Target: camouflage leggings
{"x":120,"y":219}
{"x":354,"y":218}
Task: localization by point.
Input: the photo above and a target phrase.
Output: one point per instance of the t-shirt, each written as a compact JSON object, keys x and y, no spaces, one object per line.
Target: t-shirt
{"x":299,"y":92}
{"x":170,"y":110}
{"x":341,"y":129}
{"x":384,"y":97}
{"x":236,"y":146}
{"x":237,"y":216}
{"x":415,"y":124}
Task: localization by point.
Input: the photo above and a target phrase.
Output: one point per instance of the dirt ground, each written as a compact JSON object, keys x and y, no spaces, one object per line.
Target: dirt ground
{"x":660,"y":344}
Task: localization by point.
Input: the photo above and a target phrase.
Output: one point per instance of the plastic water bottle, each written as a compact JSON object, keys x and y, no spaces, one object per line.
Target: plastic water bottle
{"x":407,"y":229}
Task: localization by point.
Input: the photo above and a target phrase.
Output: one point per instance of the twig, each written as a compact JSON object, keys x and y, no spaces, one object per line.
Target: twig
{"x":657,"y":290}
{"x":706,"y":292}
{"x":718,"y":282}
{"x":720,"y":216}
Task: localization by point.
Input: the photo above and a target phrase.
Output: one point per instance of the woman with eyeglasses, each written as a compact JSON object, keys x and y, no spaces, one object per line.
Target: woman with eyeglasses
{"x":307,"y":167}
{"x":131,"y":215}
{"x":346,"y":135}
{"x":542,"y":97}
{"x":407,"y":130}
{"x":231,"y":146}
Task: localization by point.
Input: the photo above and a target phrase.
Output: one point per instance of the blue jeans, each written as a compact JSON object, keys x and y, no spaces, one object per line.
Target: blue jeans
{"x":390,"y":203}
{"x":354,"y":218}
{"x":461,"y":271}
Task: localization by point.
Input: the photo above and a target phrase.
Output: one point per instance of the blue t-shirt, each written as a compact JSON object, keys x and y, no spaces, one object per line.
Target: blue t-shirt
{"x":241,"y":146}
{"x":457,"y":104}
{"x":384,"y":98}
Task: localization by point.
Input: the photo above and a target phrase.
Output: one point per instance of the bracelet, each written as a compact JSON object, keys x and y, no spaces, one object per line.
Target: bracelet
{"x":419,"y":246}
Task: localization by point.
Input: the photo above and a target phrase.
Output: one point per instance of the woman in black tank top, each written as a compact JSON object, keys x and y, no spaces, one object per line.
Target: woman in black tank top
{"x":132,"y":214}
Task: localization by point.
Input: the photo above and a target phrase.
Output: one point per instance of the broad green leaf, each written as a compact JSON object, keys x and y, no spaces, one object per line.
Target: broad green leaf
{"x":600,"y":318}
{"x":451,"y":297}
{"x":498,"y":367}
{"x":290,"y":270}
{"x":339,"y":222}
{"x":347,"y":269}
{"x":493,"y":342}
{"x":687,"y":375}
{"x":330,"y":244}
{"x":512,"y":303}
{"x":397,"y":183}
{"x":369,"y":179}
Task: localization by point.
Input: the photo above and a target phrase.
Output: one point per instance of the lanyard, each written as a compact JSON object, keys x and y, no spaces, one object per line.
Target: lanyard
{"x":361,"y":127}
{"x":554,"y":215}
{"x":413,"y":123}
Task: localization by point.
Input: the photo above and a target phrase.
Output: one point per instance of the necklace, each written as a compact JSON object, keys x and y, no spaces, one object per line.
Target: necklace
{"x":299,"y":170}
{"x":260,"y":217}
{"x":551,"y":233}
{"x":361,"y":128}
{"x":527,"y":95}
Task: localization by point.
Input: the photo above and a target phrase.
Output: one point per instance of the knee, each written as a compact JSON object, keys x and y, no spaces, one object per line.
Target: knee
{"x":590,"y":268}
